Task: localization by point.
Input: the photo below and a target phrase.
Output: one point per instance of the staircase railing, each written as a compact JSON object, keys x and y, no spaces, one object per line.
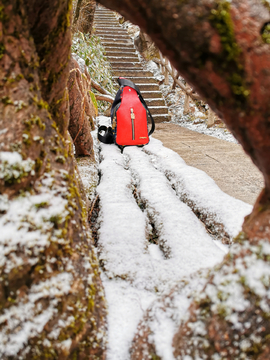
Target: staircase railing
{"x":167,"y":69}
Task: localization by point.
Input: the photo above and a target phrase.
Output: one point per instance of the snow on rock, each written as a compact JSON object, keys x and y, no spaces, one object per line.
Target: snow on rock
{"x":26,"y":320}
{"x":126,"y":307}
{"x":13,"y":167}
{"x":28,"y":222}
{"x":164,"y":316}
{"x":194,"y":186}
{"x":89,"y":176}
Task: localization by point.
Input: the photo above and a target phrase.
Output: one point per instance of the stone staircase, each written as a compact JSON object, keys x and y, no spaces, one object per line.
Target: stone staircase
{"x":121,"y":54}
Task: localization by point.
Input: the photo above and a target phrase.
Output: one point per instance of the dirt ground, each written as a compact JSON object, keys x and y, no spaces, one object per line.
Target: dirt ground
{"x":225,"y":162}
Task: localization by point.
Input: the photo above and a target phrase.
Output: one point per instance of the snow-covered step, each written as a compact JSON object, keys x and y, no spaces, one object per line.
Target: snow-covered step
{"x":118,"y":50}
{"x":121,"y":58}
{"x":124,"y":61}
{"x":155,"y":102}
{"x":104,"y":17}
{"x":151,"y":94}
{"x":109,"y":37}
{"x":104,"y":14}
{"x":107,"y":27}
{"x":133,"y":73}
{"x":148,"y":87}
{"x":128,"y":44}
{"x":140,"y":80}
{"x":115,"y":42}
{"x":159,"y":118}
{"x":158,"y":110}
{"x":101,"y":27}
{"x":114,"y":31}
{"x":126,"y":65}
{"x":106,"y":21}
{"x":115,"y":54}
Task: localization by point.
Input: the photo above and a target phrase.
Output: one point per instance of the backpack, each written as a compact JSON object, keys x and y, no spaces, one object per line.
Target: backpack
{"x":129,"y":116}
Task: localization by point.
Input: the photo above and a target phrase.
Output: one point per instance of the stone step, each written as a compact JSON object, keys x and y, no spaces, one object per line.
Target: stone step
{"x":155,"y":102}
{"x":118,"y":51}
{"x":143,"y":87}
{"x":116,"y":44}
{"x":161,"y":118}
{"x":116,"y":31}
{"x":158,"y":110}
{"x":122,"y":59}
{"x":148,"y":87}
{"x":103,"y":13}
{"x":140,"y":80}
{"x":108,"y":37}
{"x":133,"y":73}
{"x":151,"y":94}
{"x":106,"y":27}
{"x":108,"y":22}
{"x":126,"y":65}
{"x":103,"y":17}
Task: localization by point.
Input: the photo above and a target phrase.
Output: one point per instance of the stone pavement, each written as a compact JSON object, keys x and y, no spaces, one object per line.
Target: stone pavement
{"x":225,"y":162}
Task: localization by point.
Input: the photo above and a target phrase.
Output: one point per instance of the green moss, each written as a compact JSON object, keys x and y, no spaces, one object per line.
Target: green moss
{"x":2,"y":50}
{"x":240,"y":238}
{"x":94,"y":101}
{"x":266,"y":34}
{"x":34,"y":120}
{"x":43,"y":104}
{"x":27,"y":138}
{"x":266,"y":4}
{"x":60,"y":159}
{"x":228,"y":60}
{"x":42,"y":154}
{"x":17,"y":78}
{"x":155,"y":357}
{"x":2,"y":13}
{"x":41,"y":205}
{"x":6,"y":100}
{"x":16,"y":147}
{"x":20,"y":105}
{"x":38,"y":165}
{"x":56,"y":220}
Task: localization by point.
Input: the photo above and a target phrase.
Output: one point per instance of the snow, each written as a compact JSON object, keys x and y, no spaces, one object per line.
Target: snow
{"x":197,"y":187}
{"x":149,"y":239}
{"x":14,"y":336}
{"x":12,"y":166}
{"x":31,"y":212}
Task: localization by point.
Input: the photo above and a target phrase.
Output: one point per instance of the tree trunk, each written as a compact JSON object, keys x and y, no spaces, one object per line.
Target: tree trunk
{"x":82,"y":110}
{"x":51,"y":297}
